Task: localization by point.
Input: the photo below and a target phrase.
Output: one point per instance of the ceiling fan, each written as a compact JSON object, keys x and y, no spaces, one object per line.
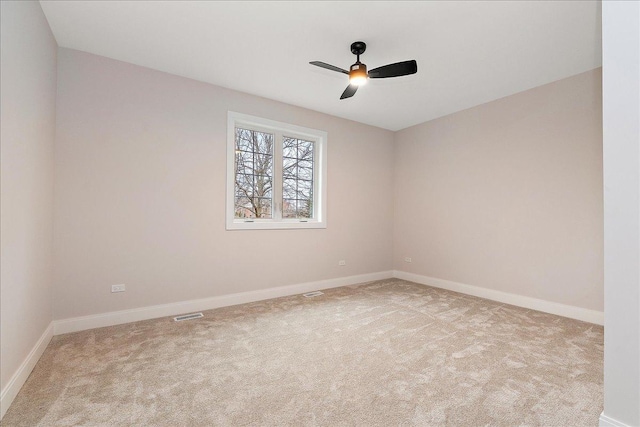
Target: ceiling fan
{"x":358,"y":72}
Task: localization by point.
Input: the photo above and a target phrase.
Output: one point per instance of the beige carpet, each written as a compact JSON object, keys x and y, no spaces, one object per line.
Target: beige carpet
{"x":387,"y":353}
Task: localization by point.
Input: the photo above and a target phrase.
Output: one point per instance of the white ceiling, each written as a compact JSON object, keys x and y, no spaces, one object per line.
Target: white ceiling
{"x":468,"y":53}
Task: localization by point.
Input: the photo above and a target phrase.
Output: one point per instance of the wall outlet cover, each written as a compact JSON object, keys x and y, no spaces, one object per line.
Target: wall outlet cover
{"x":117,"y":288}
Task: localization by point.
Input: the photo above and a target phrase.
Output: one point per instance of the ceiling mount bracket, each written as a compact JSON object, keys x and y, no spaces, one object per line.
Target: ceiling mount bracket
{"x":358,"y":48}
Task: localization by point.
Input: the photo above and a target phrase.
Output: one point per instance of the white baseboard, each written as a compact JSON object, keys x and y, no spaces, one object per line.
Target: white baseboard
{"x":606,"y":421}
{"x":144,"y":313}
{"x":584,"y":314}
{"x":18,"y":379}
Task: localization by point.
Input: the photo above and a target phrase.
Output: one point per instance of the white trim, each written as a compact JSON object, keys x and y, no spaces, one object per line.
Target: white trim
{"x":279,"y":129}
{"x":20,"y":376}
{"x":579,"y":313}
{"x":144,"y":313}
{"x":606,"y":421}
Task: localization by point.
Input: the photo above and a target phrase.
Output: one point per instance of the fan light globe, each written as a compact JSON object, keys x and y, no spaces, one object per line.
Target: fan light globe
{"x":358,"y":74}
{"x":357,"y":80}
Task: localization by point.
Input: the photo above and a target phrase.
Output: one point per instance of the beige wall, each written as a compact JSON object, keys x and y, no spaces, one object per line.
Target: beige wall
{"x":508,"y":195}
{"x":28,"y":132}
{"x":140,"y":193}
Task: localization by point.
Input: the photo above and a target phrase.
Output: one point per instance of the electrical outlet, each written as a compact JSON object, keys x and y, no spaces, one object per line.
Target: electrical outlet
{"x":342,"y":262}
{"x":117,"y":288}
{"x":407,"y":259}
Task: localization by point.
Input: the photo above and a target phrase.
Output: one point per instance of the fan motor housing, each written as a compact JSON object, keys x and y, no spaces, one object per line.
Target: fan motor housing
{"x":358,"y":69}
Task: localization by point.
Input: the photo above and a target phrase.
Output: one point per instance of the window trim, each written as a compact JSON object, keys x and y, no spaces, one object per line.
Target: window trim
{"x":319,"y":174}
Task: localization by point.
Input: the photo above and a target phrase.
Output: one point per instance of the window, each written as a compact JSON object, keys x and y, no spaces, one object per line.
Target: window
{"x":276,"y":175}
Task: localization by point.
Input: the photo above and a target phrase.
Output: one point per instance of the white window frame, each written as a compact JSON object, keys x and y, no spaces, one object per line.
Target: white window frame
{"x":279,"y":129}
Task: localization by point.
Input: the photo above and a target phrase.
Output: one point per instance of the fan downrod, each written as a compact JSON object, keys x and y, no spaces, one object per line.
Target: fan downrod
{"x":358,"y":48}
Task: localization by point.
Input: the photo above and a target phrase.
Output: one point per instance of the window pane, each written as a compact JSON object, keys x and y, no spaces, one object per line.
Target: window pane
{"x":262,"y":163}
{"x":253,"y":174}
{"x":261,"y":185}
{"x":243,"y":140}
{"x":263,"y":207}
{"x":304,"y":189}
{"x":289,"y":208}
{"x":305,"y":164}
{"x":240,"y":191}
{"x":297,"y":184}
{"x":289,"y":147}
{"x":244,"y":175}
{"x":305,"y":208}
{"x":305,"y":150}
{"x":264,"y":142}
{"x":244,"y":161}
{"x":243,"y":208}
{"x":305,"y":173}
{"x":289,"y":167}
{"x":252,"y":207}
{"x":289,"y":189}
{"x":292,"y":208}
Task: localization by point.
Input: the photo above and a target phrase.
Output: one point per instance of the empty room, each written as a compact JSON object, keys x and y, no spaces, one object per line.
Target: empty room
{"x":375,"y":213}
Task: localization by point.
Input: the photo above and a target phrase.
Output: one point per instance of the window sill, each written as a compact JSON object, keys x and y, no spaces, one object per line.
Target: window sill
{"x":275,"y":225}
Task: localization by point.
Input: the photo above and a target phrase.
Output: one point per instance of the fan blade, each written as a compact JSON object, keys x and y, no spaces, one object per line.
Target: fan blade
{"x":349,"y":91}
{"x":328,"y":66}
{"x":394,"y":70}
